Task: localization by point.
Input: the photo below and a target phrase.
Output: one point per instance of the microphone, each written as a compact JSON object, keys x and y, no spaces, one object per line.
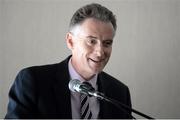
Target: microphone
{"x":86,"y":88}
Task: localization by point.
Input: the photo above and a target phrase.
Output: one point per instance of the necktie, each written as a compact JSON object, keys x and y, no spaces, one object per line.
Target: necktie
{"x":85,"y":110}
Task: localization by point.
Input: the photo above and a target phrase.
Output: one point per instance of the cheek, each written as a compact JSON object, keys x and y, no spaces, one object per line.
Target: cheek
{"x":108,"y":52}
{"x":86,"y":49}
{"x":78,"y":48}
{"x":82,"y":51}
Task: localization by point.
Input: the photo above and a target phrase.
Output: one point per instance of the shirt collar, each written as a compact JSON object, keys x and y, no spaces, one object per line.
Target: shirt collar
{"x":75,"y":75}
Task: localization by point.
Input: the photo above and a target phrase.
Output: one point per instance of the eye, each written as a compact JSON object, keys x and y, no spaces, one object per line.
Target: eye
{"x":107,"y":43}
{"x":92,"y":41}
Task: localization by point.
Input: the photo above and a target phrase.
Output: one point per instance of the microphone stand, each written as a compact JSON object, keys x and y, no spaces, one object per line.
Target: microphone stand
{"x":118,"y":104}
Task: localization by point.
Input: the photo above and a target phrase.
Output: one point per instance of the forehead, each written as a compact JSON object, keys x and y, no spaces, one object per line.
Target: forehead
{"x":95,"y":28}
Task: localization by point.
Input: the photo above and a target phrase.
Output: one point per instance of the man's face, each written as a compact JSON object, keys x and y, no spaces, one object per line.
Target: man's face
{"x":91,"y":46}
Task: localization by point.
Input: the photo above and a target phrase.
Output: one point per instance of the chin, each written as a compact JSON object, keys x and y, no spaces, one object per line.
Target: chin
{"x":96,"y":71}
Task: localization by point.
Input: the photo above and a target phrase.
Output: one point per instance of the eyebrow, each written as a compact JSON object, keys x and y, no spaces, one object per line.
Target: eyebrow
{"x":90,"y":36}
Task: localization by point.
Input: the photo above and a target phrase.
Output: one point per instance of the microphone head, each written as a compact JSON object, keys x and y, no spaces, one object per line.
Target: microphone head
{"x":87,"y":86}
{"x":74,"y":84}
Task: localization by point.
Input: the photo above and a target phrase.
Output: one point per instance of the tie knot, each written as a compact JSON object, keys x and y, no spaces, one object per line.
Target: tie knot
{"x":87,"y":86}
{"x":86,"y":83}
{"x":87,"y":89}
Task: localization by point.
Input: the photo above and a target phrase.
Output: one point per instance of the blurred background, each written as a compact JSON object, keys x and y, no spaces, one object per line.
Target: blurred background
{"x":146,"y":49}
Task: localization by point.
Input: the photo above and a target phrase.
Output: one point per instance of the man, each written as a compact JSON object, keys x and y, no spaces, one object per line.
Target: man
{"x":42,"y":91}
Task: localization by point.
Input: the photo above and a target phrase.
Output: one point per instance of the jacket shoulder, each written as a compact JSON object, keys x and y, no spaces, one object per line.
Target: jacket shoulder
{"x":45,"y":71}
{"x":112,"y":80}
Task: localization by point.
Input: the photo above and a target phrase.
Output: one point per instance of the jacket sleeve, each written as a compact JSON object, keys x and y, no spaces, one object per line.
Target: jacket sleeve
{"x":22,"y":96}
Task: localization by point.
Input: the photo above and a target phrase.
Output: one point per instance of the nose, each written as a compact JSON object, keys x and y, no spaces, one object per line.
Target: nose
{"x":99,"y":50}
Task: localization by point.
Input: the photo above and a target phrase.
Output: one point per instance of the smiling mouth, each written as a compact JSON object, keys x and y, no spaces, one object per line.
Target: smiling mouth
{"x":96,"y":61}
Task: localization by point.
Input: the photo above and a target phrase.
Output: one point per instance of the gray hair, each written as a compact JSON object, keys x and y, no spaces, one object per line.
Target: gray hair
{"x":93,"y":10}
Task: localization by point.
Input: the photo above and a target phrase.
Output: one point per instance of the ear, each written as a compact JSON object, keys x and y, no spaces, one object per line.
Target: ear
{"x":69,"y":40}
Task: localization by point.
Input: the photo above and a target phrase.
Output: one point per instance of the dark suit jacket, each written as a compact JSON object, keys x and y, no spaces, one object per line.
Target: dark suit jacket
{"x":42,"y":92}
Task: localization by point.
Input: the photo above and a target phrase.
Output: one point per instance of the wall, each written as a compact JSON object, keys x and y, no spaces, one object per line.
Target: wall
{"x":145,"y":54}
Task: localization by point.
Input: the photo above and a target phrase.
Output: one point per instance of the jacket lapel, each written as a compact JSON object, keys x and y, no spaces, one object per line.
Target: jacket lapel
{"x":103,"y":104}
{"x":62,"y":92}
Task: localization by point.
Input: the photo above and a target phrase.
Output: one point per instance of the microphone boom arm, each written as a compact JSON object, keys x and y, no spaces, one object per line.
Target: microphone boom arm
{"x":118,"y":104}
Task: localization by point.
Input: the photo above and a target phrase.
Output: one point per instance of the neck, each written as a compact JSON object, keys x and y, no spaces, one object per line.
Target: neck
{"x":87,"y":78}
